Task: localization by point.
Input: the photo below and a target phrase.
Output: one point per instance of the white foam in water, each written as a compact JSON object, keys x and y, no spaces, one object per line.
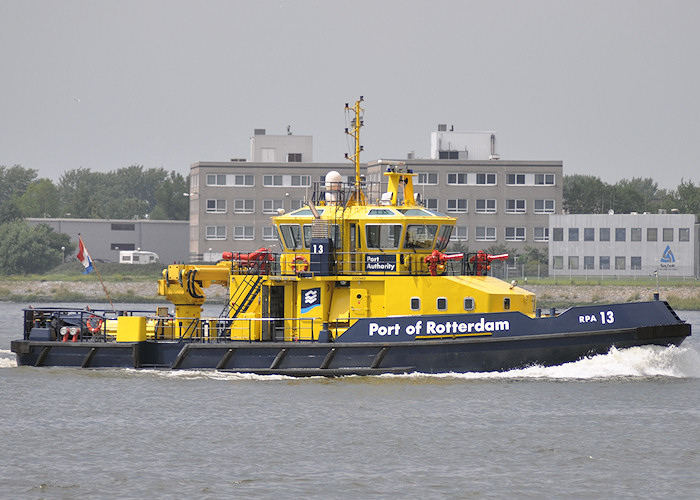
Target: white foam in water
{"x":647,"y":361}
{"x":7,"y":359}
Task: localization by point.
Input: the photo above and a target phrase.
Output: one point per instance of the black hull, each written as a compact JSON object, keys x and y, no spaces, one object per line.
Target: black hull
{"x":471,"y":354}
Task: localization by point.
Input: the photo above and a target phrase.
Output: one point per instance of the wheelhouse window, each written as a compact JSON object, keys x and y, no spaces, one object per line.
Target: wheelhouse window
{"x":383,"y":236}
{"x":291,"y":236}
{"x":444,"y":237}
{"x":420,"y":235}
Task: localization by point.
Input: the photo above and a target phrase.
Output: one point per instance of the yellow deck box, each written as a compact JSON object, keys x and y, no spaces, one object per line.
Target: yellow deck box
{"x":131,"y":328}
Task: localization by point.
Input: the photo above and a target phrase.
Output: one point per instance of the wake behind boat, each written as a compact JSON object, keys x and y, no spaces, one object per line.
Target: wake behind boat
{"x":359,"y":288}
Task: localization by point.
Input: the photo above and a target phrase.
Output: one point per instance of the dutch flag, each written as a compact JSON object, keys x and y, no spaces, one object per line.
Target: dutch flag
{"x":84,"y":256}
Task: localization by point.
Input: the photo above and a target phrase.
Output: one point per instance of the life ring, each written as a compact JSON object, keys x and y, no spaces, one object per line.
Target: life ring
{"x":94,"y":324}
{"x":300,"y":264}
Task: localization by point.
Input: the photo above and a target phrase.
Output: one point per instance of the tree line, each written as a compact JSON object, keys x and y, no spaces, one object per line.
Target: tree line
{"x":126,"y":193}
{"x":586,"y":194}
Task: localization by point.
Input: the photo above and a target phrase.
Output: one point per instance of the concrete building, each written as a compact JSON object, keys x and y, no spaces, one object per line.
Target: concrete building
{"x":105,"y":238}
{"x":624,"y":245}
{"x":495,"y":201}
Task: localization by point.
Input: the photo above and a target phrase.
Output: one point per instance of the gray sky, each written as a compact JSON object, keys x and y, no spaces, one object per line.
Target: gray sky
{"x":608,"y":87}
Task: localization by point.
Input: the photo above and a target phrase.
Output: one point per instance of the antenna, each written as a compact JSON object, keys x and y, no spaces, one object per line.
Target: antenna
{"x":357,"y":122}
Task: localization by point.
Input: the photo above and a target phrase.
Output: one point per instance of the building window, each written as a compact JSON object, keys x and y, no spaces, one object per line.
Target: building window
{"x":458,"y":205}
{"x":558,"y":234}
{"x":588,"y":234}
{"x":636,"y":263}
{"x":243,"y":232}
{"x":216,"y":232}
{"x":460,"y":233}
{"x":458,"y":179}
{"x":272,"y":206}
{"x":652,"y":234}
{"x":544,"y":179}
{"x":301,"y":180}
{"x":486,"y":206}
{"x":558,"y":262}
{"x":515,"y":234}
{"x":216,"y":206}
{"x":573,"y":234}
{"x":541,"y":234}
{"x":123,"y":227}
{"x":486,"y":179}
{"x":588,"y":262}
{"x":243,"y":206}
{"x":515,"y":179}
{"x":668,"y":234}
{"x":122,"y":246}
{"x":620,"y":263}
{"x":272,"y":180}
{"x":448,"y":155}
{"x":544,"y":206}
{"x":620,"y":234}
{"x":683,"y":234}
{"x":295,"y":204}
{"x":604,"y":262}
{"x":604,"y":234}
{"x":269,"y":233}
{"x":216,"y":179}
{"x":294,"y":157}
{"x":427,"y":178}
{"x":430,"y":203}
{"x":515,"y":206}
{"x":573,"y":262}
{"x":636,"y":234}
{"x":485,"y":233}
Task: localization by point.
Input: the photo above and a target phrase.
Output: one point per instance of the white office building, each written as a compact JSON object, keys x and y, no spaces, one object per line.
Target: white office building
{"x":624,"y":245}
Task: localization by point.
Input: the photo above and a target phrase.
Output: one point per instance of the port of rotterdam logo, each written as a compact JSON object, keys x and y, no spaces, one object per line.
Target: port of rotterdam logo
{"x":310,"y":298}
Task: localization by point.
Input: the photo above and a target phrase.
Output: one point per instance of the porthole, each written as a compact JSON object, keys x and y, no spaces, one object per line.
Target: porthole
{"x":415,"y":303}
{"x":442,"y":304}
{"x":506,"y":303}
{"x":468,"y":303}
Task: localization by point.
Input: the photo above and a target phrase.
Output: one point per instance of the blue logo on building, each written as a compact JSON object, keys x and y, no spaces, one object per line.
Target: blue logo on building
{"x":667,"y":257}
{"x":310,"y":298}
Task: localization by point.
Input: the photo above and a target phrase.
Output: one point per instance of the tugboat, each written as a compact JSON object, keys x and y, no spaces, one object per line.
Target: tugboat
{"x":359,"y":288}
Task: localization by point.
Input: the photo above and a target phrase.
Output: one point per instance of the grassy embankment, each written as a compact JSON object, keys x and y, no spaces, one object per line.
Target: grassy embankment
{"x":128,"y":283}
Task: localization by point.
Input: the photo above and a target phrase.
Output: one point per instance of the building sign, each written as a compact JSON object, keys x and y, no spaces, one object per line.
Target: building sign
{"x":668,"y":260}
{"x":380,"y":263}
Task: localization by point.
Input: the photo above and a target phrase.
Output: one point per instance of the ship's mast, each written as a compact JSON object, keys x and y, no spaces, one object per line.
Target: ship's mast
{"x":357,"y":198}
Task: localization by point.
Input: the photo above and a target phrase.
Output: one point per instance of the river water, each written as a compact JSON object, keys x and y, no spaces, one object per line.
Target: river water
{"x":622,"y":425}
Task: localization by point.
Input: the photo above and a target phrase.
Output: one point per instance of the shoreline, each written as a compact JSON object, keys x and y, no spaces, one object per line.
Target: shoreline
{"x":559,"y":296}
